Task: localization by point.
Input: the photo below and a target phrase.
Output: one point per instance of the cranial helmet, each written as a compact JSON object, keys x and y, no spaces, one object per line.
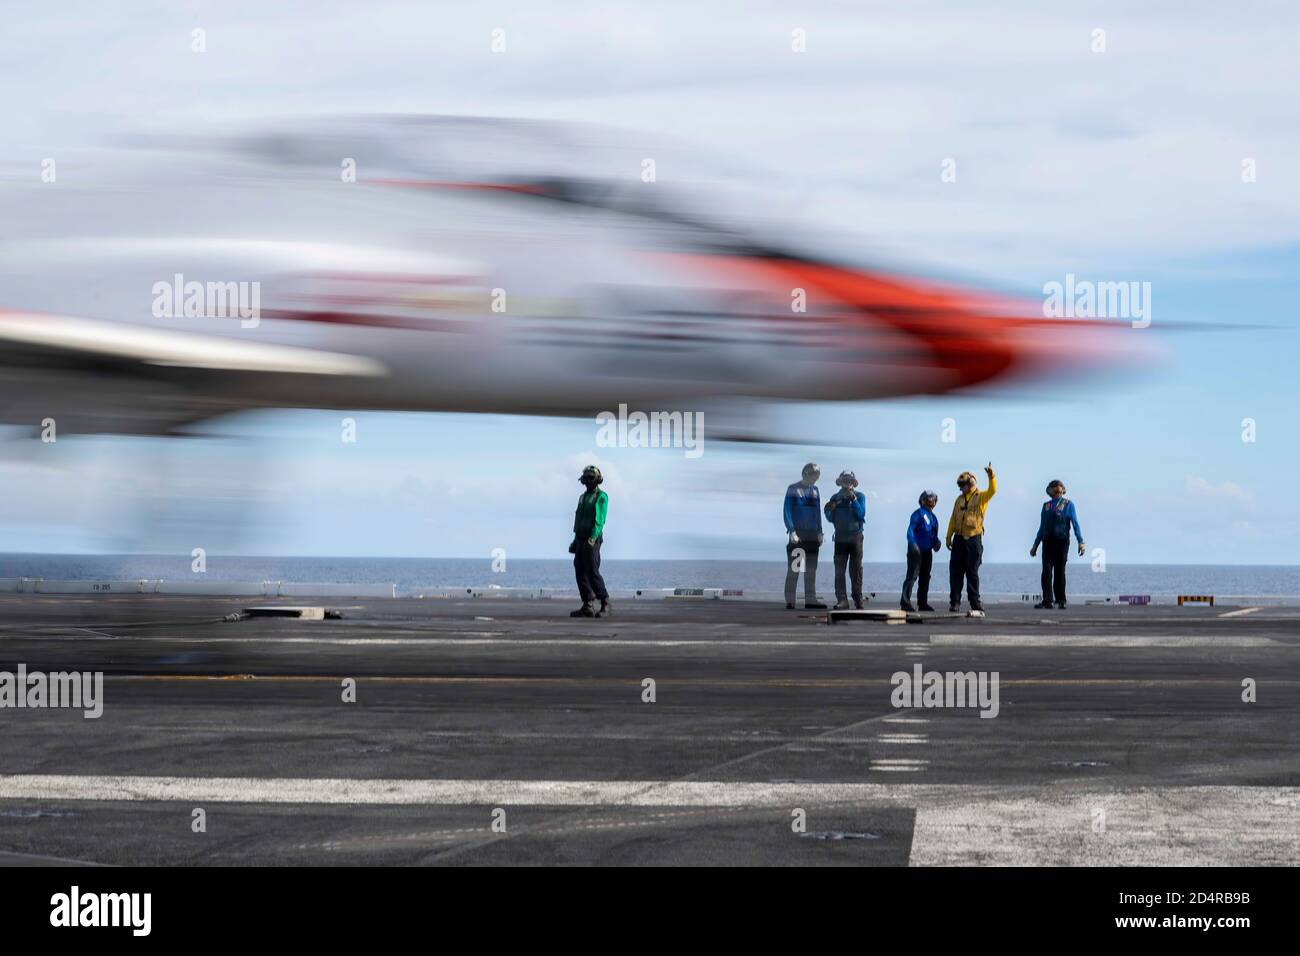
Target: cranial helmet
{"x":1055,"y":482}
{"x":966,"y":476}
{"x":847,"y":479}
{"x":592,"y":472}
{"x":926,"y":494}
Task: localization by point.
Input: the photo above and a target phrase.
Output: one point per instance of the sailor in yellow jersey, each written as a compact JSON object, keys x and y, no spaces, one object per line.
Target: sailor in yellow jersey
{"x":965,"y":538}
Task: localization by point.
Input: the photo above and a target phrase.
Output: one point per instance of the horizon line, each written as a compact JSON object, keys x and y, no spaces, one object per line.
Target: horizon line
{"x":488,"y":558}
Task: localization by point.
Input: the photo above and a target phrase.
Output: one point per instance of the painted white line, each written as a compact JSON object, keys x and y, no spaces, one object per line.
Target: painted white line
{"x":906,"y":720}
{"x":489,"y":641}
{"x":1100,"y":640}
{"x":573,"y":793}
{"x":903,"y":739}
{"x":1240,"y":613}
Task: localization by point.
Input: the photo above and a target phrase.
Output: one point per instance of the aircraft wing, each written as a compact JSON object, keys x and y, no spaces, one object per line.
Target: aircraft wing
{"x":90,"y":375}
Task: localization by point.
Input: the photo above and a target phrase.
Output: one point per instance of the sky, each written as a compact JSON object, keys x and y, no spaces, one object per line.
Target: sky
{"x":1117,"y":165}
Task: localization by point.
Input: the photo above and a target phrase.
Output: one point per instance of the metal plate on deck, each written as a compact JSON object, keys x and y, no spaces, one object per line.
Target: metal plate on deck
{"x":284,"y":610}
{"x":875,"y":614}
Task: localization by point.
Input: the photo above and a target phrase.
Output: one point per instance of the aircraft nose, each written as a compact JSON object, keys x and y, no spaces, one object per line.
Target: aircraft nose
{"x":964,"y":334}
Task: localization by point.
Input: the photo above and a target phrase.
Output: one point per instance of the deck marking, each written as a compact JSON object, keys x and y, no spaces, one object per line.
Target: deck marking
{"x":867,"y":644}
{"x":1101,"y":640}
{"x":1240,"y":613}
{"x":487,"y":641}
{"x":1133,"y":682}
{"x":1146,"y":826}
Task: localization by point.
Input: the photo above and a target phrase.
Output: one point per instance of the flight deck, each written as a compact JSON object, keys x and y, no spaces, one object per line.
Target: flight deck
{"x":446,"y":731}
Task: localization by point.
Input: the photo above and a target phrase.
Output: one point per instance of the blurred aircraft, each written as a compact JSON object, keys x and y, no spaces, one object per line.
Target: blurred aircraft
{"x":459,"y":264}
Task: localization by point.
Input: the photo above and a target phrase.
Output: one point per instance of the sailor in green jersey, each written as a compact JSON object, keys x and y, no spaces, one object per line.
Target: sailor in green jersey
{"x":588,"y":533}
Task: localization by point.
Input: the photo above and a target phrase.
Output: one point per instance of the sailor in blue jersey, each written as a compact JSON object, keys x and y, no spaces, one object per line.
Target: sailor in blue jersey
{"x":922,"y":543}
{"x":1054,"y":523}
{"x":847,"y":511}
{"x":803,"y":527}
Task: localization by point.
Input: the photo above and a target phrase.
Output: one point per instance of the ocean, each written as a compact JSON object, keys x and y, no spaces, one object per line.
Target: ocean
{"x":756,"y":578}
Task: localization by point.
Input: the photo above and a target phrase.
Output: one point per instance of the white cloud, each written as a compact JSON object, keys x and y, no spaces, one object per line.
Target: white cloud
{"x":1199,"y":487}
{"x":1064,"y":156}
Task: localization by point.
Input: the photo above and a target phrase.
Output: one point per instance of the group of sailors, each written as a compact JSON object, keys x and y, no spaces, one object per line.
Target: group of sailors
{"x":846,"y":510}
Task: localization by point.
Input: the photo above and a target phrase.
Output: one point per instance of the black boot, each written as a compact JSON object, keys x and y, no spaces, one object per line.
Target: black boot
{"x":605,"y":609}
{"x":906,"y":605}
{"x":584,"y":611}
